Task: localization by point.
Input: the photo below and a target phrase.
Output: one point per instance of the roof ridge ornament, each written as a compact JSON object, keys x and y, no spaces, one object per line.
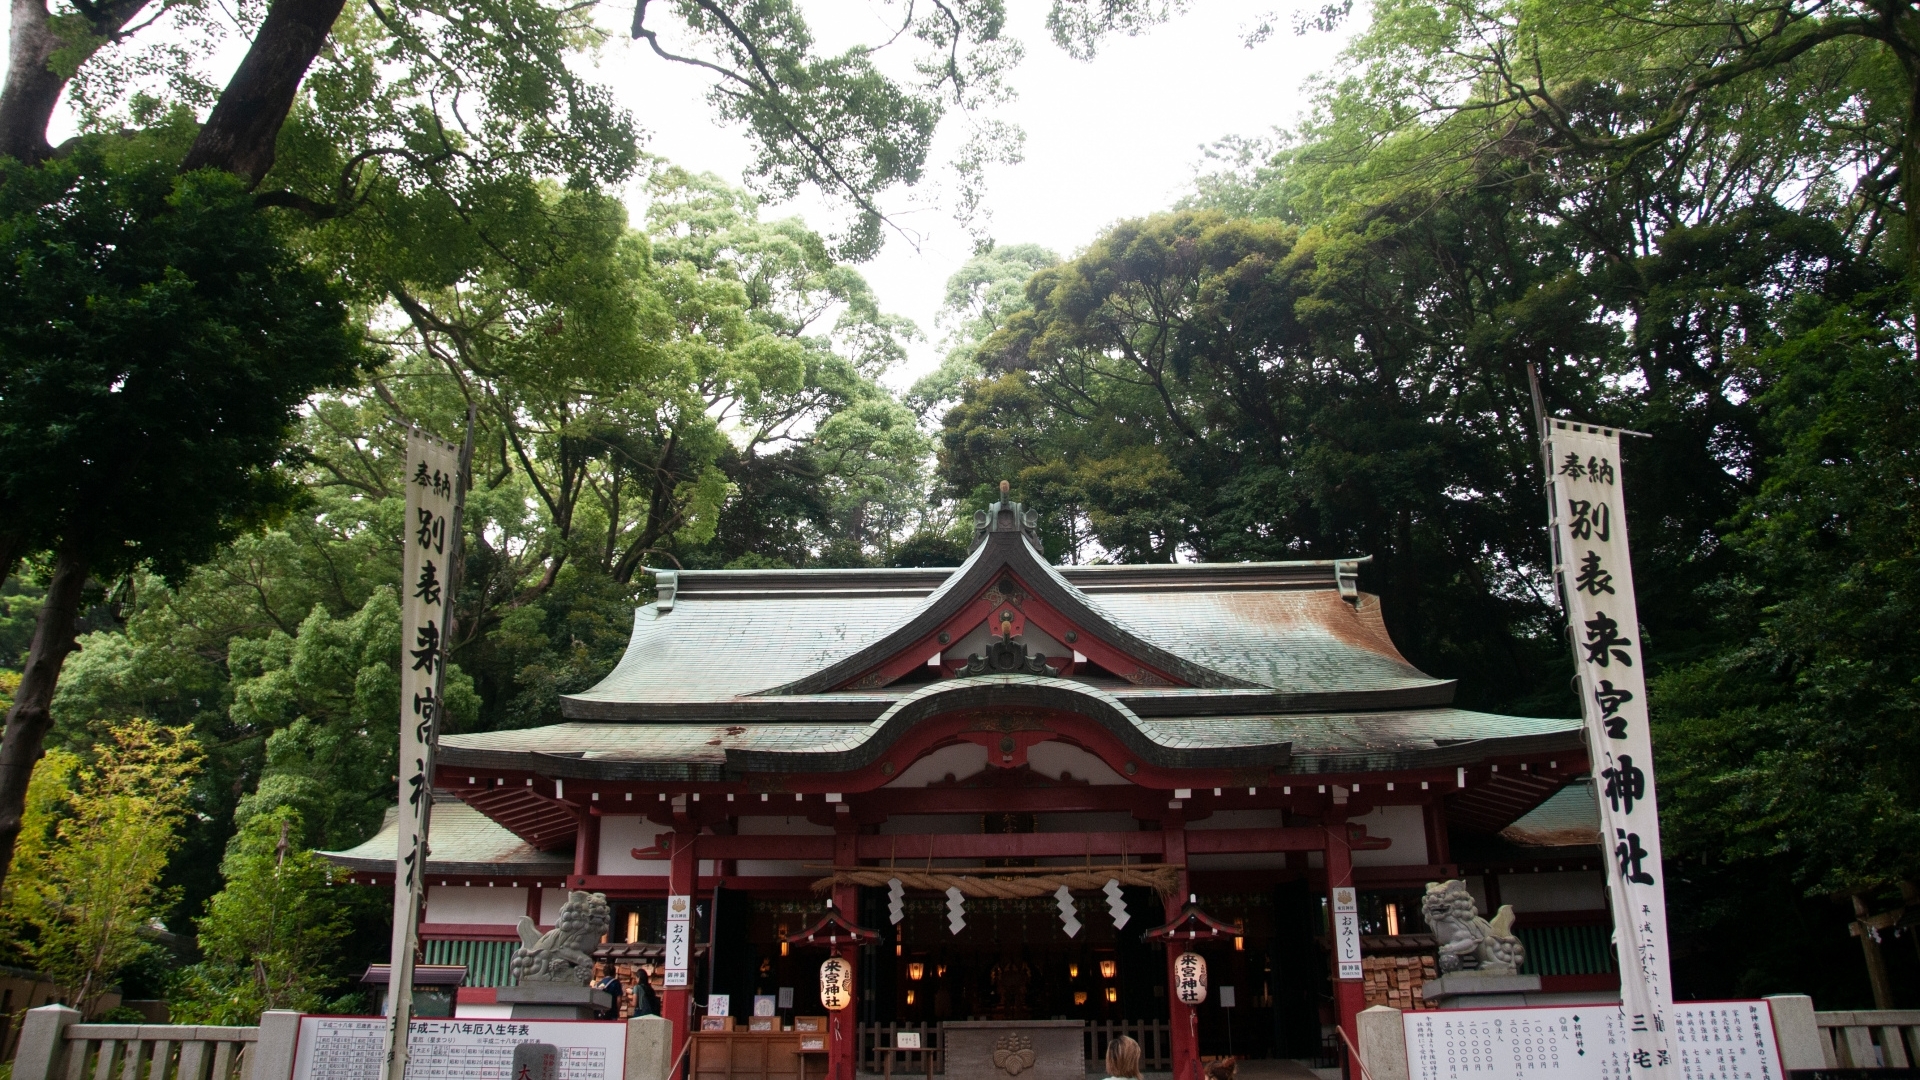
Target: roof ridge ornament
{"x":1006,"y":516}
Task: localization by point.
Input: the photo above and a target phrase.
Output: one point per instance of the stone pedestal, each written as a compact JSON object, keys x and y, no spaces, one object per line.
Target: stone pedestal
{"x":1477,"y":990}
{"x":553,"y":1001}
{"x":1010,"y":1049}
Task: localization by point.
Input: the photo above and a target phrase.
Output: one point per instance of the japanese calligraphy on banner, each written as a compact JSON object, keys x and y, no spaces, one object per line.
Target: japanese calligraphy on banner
{"x":679,"y":939}
{"x":1346,"y":931}
{"x":1718,"y":1040}
{"x":1596,"y":581}
{"x":432,"y":538}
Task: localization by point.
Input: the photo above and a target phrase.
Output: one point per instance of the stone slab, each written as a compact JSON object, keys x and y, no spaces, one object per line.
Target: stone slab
{"x":1474,"y":990}
{"x":553,"y":1001}
{"x":1058,"y":1049}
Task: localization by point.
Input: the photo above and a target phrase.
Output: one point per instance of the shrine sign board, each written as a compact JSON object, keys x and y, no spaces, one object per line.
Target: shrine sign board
{"x":352,"y":1048}
{"x":1712,"y":1040}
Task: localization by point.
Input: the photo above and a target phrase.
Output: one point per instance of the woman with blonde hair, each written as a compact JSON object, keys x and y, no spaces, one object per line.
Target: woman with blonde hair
{"x":1123,"y":1059}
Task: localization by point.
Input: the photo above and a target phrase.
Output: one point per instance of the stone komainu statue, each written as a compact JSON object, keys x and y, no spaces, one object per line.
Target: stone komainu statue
{"x":563,"y":954}
{"x":1467,"y":941}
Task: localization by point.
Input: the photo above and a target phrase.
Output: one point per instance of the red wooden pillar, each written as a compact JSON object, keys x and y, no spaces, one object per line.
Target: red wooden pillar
{"x":676,"y":1002}
{"x":1182,"y":1023}
{"x":843,"y":1025}
{"x":1349,"y":994}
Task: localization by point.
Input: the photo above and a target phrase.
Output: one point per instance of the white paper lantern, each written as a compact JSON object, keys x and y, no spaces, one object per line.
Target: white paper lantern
{"x":1190,"y":978}
{"x":836,"y":984}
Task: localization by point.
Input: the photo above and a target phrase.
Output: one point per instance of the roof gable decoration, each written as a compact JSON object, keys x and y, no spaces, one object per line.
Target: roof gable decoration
{"x":1006,"y":610}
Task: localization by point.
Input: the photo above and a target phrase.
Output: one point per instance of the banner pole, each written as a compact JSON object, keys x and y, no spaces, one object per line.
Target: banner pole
{"x":436,"y":504}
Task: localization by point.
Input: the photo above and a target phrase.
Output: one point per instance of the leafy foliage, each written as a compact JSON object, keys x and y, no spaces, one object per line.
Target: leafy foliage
{"x":272,"y":937}
{"x":85,"y":887}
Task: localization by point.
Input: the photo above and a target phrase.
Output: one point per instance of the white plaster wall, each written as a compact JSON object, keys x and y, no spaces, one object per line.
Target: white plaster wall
{"x":1572,"y":890}
{"x":961,"y":760}
{"x":619,"y":835}
{"x":935,"y":824}
{"x":1241,"y":819}
{"x":1052,"y":758}
{"x":1406,"y":826}
{"x":1102,"y":821}
{"x":774,"y":868}
{"x":550,"y":901}
{"x":475,"y":905}
{"x":781,"y":825}
{"x":784,"y":825}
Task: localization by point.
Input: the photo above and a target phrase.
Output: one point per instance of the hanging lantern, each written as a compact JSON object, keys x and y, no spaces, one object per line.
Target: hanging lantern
{"x":836,"y":984}
{"x":1190,"y":978}
{"x":1107,"y":968}
{"x":916,"y":971}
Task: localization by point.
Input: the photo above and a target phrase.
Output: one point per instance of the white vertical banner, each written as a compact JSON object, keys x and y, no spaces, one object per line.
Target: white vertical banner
{"x":679,"y":950}
{"x":1596,"y":582}
{"x":1346,"y":931}
{"x":435,"y":495}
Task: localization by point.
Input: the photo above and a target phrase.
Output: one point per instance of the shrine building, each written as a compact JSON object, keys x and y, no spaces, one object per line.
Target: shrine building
{"x":1205,"y":757}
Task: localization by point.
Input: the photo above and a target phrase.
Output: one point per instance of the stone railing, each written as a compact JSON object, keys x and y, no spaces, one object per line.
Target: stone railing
{"x":54,"y":1045}
{"x":1808,"y":1040}
{"x":1883,"y":1039}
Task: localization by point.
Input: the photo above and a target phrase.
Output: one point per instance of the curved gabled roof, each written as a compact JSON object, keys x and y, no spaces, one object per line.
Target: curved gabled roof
{"x":1214,"y":639}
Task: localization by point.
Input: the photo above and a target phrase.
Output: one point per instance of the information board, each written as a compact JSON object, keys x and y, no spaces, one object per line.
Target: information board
{"x":1719,"y":1040}
{"x":353,"y":1048}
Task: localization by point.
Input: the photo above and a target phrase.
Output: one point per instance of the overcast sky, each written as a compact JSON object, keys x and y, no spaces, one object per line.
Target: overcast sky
{"x":1117,"y":137}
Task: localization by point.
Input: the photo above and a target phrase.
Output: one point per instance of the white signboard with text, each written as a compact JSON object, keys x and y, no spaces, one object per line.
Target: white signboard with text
{"x":1717,"y":1040}
{"x":679,"y":939}
{"x":353,"y":1048}
{"x":1346,"y":931}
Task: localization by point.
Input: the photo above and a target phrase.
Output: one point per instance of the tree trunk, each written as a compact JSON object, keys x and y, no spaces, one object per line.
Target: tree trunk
{"x":240,"y":133}
{"x":32,"y":712}
{"x":32,"y":87}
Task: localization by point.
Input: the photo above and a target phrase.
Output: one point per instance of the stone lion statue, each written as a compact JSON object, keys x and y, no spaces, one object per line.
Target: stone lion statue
{"x":563,"y":954}
{"x":1467,"y":941}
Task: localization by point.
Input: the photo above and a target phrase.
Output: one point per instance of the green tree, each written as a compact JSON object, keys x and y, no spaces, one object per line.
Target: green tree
{"x":272,"y":937}
{"x":159,"y":336}
{"x":88,"y":894}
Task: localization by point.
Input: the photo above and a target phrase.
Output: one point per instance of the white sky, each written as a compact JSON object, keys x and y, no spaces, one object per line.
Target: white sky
{"x":1121,"y":136}
{"x":1118,"y":137}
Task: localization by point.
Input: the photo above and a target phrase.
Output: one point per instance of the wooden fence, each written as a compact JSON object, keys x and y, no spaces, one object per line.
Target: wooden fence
{"x":1886,"y":1039}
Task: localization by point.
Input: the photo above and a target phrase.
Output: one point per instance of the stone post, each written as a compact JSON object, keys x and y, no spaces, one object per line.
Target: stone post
{"x":649,"y":1048}
{"x":1382,"y":1043}
{"x":1801,"y":1045}
{"x":43,"y":1043}
{"x":273,"y":1054}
